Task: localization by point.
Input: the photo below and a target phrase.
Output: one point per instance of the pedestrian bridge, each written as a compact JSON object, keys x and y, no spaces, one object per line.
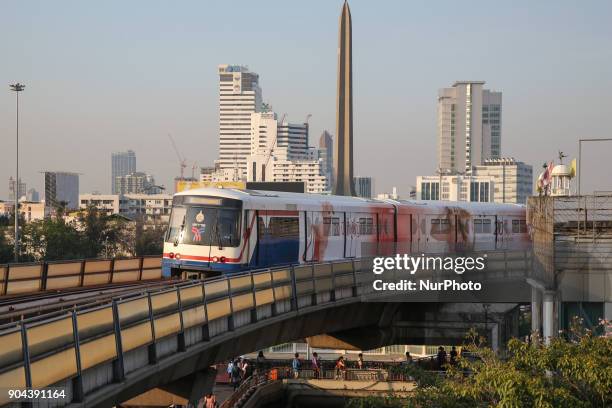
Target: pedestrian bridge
{"x":104,"y":353}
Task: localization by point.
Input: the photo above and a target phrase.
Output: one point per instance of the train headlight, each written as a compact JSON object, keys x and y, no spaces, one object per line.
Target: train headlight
{"x":215,"y":259}
{"x":177,"y":256}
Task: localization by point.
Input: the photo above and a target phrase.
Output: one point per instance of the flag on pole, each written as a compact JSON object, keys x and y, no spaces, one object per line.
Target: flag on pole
{"x":573,"y":168}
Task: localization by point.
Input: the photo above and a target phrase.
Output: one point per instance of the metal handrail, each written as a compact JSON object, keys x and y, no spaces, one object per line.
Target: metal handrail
{"x":141,"y":313}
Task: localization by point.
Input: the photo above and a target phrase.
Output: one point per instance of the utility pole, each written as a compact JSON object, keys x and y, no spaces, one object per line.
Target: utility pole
{"x":17,"y":88}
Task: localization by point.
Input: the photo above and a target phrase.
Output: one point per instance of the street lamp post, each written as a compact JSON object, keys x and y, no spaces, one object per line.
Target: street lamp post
{"x":17,"y":88}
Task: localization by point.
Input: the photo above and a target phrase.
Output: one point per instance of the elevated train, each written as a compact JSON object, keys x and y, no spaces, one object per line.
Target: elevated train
{"x":223,"y":231}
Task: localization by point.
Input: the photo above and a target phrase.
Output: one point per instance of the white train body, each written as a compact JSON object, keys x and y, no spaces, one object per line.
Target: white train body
{"x":216,"y":231}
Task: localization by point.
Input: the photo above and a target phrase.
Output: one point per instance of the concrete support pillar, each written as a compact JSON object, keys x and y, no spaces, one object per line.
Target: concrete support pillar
{"x":548,"y":306}
{"x":194,"y":386}
{"x":536,"y":311}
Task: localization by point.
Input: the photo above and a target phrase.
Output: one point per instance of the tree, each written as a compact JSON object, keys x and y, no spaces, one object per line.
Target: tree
{"x":102,"y":234}
{"x":574,"y":371}
{"x":6,"y":250}
{"x":51,"y":239}
{"x":149,"y":239}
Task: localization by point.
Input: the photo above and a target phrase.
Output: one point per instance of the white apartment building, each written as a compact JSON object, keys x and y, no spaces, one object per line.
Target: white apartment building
{"x":513,"y":179}
{"x":32,"y":210}
{"x":280,"y":153}
{"x":278,"y":168}
{"x":239,"y":97}
{"x":455,"y":188}
{"x":497,"y":180}
{"x":109,"y":203}
{"x":469,"y":126}
{"x":150,"y":206}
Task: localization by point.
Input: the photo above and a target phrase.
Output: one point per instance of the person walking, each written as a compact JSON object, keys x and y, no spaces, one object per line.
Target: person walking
{"x":235,"y":376}
{"x":210,"y":401}
{"x":360,"y":361}
{"x":340,"y":368}
{"x":441,"y":358}
{"x":260,"y":362}
{"x":316,"y":365}
{"x":246,"y":369}
{"x":453,"y":356}
{"x":408,"y":358}
{"x":296,"y":365}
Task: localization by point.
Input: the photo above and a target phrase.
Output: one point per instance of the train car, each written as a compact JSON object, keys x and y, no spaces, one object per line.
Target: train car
{"x":223,"y":231}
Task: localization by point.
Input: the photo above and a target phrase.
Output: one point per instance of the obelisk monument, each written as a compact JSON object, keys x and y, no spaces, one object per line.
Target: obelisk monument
{"x":343,"y":142}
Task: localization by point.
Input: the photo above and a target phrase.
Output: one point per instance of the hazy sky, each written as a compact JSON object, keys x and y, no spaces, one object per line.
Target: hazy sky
{"x":114,"y":75}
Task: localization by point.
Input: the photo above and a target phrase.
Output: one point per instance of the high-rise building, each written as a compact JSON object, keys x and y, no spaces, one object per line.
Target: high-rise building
{"x":123,"y":163}
{"x":32,"y":195}
{"x":239,"y":97}
{"x":61,"y":188}
{"x":136,"y":183}
{"x":469,"y":126}
{"x":293,"y":136}
{"x":326,"y":146}
{"x":363,"y":187}
{"x":22,"y":189}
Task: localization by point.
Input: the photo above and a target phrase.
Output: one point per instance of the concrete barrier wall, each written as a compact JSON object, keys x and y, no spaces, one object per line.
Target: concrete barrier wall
{"x":128,"y":333}
{"x":18,"y":279}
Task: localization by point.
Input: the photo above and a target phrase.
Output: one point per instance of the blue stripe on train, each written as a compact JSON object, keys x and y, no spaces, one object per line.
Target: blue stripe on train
{"x":275,"y":252}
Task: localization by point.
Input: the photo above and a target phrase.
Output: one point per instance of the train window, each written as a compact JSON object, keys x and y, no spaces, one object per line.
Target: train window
{"x":211,"y":226}
{"x":284,"y":227}
{"x":177,"y":221}
{"x":331,"y":226}
{"x":228,"y":227}
{"x":366,"y":226}
{"x":440,"y":226}
{"x":482,"y":226}
{"x":519,"y":227}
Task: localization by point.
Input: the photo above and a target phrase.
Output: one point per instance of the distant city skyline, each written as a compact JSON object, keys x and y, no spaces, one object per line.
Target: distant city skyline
{"x":94,"y":87}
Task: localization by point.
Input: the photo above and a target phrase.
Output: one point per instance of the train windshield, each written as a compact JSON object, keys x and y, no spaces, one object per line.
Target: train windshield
{"x":204,"y":225}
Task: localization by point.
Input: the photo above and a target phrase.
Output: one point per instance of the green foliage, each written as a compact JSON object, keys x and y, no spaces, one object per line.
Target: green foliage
{"x":91,"y":234}
{"x":51,"y":239}
{"x":574,"y":371}
{"x":6,"y":250}
{"x":149,"y":241}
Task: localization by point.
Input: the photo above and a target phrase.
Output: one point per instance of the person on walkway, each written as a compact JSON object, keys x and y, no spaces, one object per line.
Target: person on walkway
{"x":360,"y":361}
{"x":316,"y":365}
{"x":260,"y":362}
{"x":296,"y":365}
{"x":441,"y":358}
{"x":453,"y":356}
{"x":340,"y":368}
{"x":230,"y":366}
{"x":246,"y":369}
{"x":210,"y":401}
{"x":408,"y":358}
{"x":235,"y":376}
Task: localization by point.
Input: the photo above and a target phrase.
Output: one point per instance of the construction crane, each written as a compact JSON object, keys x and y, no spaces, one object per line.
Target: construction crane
{"x":193,"y":169}
{"x":182,"y":160}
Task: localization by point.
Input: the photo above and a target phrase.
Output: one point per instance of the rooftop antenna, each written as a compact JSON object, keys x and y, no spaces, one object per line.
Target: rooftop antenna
{"x":561,"y":156}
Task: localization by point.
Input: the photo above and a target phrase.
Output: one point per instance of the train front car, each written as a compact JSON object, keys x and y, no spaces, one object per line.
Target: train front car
{"x":204,"y":235}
